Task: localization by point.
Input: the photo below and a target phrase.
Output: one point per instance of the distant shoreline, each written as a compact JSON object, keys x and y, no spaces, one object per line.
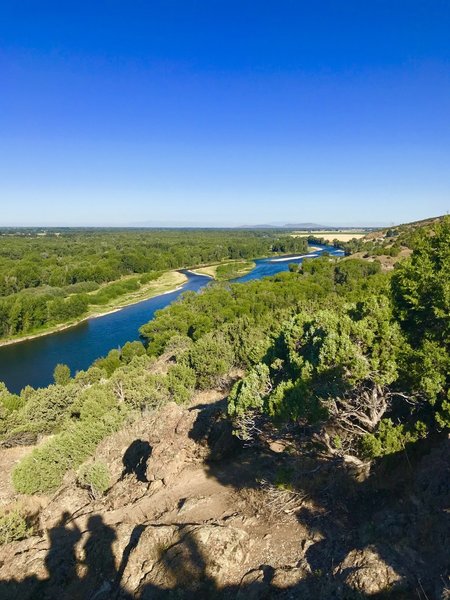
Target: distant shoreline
{"x":63,"y":327}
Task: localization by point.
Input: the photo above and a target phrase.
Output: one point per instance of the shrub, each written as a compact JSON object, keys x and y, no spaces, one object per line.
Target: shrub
{"x":147,"y":277}
{"x":114,"y":290}
{"x":89,"y":377}
{"x":109,"y":363}
{"x":178,"y":344}
{"x":181,"y":382}
{"x":45,"y":408}
{"x":248,"y":393}
{"x":61,"y":374}
{"x":43,"y":470}
{"x":10,"y":402}
{"x":211,"y":357}
{"x":390,"y":438}
{"x":140,"y":389}
{"x":96,"y":477}
{"x":130,"y":350}
{"x":13,"y":526}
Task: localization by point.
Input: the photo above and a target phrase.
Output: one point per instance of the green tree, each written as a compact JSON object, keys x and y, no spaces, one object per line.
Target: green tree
{"x":421,"y":296}
{"x":421,"y":287}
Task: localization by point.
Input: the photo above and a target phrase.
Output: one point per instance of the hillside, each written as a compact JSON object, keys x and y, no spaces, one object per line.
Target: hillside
{"x":282,"y":438}
{"x":390,"y":245}
{"x":210,"y":519}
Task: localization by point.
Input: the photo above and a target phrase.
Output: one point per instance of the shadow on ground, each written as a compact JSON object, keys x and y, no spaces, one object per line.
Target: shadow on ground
{"x":400,"y":512}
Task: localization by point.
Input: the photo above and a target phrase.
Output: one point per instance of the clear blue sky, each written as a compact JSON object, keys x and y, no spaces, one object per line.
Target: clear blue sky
{"x":223,"y":112}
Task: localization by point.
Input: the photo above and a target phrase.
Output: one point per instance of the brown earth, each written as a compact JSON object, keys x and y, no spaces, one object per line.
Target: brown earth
{"x":194,"y":513}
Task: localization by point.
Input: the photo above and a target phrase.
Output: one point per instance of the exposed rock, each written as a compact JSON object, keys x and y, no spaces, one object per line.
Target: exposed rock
{"x":365,"y":571}
{"x":189,"y":556}
{"x":198,"y":525}
{"x":289,"y":577}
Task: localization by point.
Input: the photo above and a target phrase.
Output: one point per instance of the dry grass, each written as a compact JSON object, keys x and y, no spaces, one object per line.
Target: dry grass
{"x":329,"y":236}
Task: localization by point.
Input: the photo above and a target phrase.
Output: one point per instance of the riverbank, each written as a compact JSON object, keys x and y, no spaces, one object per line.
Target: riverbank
{"x":244,"y":267}
{"x":225,"y":271}
{"x":168,"y":282}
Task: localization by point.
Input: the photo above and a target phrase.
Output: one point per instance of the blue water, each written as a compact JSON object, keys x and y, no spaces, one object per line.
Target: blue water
{"x":271,"y":266}
{"x":32,"y":362}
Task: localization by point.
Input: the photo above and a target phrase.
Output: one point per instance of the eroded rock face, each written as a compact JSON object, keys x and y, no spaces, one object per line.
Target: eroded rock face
{"x":366,"y":572}
{"x":193,"y":557}
{"x":135,"y":561}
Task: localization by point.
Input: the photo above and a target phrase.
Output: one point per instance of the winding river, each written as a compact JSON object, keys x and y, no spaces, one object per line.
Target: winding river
{"x":31,"y":362}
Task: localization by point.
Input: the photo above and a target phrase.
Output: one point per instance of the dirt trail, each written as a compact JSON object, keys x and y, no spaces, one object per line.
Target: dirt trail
{"x":191,"y":513}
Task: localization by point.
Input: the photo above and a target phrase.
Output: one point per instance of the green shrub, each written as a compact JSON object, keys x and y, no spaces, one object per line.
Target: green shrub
{"x":13,"y":526}
{"x":390,"y":438}
{"x":181,"y":382}
{"x":45,"y":408}
{"x":130,"y":350}
{"x":61,"y":374}
{"x":90,"y":376}
{"x":43,"y":470}
{"x":114,"y":290}
{"x":211,"y":357}
{"x":248,"y":393}
{"x":10,"y":402}
{"x":109,"y":363}
{"x":233,"y":270}
{"x":82,"y":287}
{"x":147,"y":277}
{"x":140,"y":389}
{"x":94,"y":476}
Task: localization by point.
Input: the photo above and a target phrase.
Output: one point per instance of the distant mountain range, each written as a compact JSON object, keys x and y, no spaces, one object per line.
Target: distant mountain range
{"x":286,"y":226}
{"x":307,"y":227}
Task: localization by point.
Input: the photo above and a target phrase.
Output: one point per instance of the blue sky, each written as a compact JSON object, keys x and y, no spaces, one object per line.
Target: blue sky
{"x":223,"y":112}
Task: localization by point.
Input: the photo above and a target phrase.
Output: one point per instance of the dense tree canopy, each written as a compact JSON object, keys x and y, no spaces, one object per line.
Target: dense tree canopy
{"x":52,"y":277}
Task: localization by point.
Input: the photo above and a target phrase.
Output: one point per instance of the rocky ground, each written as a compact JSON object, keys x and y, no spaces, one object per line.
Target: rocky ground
{"x":193,"y":513}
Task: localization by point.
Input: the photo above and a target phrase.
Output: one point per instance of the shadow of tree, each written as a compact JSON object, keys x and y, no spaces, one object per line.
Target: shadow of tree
{"x":400,"y":512}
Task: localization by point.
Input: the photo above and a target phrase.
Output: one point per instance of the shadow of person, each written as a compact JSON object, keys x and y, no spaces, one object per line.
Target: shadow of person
{"x":100,"y":575}
{"x":186,"y":574}
{"x":61,"y":561}
{"x":135,"y":460}
{"x":133,"y":542}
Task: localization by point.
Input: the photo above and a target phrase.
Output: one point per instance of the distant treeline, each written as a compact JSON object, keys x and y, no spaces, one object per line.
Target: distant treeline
{"x":49,"y":279}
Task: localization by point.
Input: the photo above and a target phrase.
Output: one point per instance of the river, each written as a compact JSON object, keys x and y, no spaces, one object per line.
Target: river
{"x":31,"y":362}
